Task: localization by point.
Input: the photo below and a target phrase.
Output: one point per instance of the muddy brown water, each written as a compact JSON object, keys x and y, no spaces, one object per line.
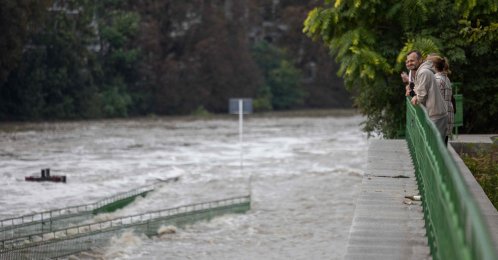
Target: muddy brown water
{"x":303,"y":173}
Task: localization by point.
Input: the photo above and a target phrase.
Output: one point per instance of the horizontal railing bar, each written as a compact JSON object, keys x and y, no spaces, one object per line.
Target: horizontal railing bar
{"x":118,"y":223}
{"x":39,"y":216}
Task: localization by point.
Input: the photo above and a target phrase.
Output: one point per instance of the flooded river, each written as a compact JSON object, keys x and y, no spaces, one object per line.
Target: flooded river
{"x":303,"y":173}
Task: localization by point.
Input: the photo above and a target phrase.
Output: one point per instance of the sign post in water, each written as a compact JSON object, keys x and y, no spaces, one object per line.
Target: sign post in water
{"x":240,"y":106}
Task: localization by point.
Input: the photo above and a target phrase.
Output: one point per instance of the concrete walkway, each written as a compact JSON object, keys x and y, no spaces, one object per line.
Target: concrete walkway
{"x":485,"y":139}
{"x":386,"y":225}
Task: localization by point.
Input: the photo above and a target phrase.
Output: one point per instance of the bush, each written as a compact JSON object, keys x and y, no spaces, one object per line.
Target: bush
{"x":283,"y":86}
{"x":115,"y":102}
{"x":484,"y":167}
{"x":201,"y":112}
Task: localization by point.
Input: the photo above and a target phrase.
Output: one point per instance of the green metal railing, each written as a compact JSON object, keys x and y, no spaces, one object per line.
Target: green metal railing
{"x":455,"y":226}
{"x":72,"y":240}
{"x":58,"y":218}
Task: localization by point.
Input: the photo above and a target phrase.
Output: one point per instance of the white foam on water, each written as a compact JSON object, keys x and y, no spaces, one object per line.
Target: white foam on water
{"x":166,"y":230}
{"x":305,"y":173}
{"x":121,"y":246}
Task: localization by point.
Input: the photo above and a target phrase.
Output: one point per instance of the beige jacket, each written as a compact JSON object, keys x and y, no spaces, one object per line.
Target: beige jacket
{"x":428,"y":93}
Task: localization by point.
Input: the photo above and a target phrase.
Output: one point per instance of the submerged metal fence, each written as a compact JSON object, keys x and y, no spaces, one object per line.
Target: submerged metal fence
{"x":455,"y":226}
{"x":58,"y":218}
{"x":72,"y":240}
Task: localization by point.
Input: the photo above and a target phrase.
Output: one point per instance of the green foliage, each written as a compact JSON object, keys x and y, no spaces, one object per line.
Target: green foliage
{"x":119,"y":57}
{"x":54,"y":77}
{"x":424,"y":45}
{"x":284,"y":85}
{"x":282,"y":78}
{"x":120,"y":28}
{"x":261,"y":104}
{"x":263,"y":100}
{"x":115,"y":101}
{"x":200,"y":111}
{"x":267,"y":56}
{"x":484,"y":167}
{"x":481,"y":37}
{"x":370,"y":39}
{"x":18,"y":20}
{"x":81,"y":62}
{"x":365,"y":53}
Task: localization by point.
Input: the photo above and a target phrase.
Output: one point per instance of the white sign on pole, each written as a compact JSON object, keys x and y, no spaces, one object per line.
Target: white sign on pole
{"x":234,"y":105}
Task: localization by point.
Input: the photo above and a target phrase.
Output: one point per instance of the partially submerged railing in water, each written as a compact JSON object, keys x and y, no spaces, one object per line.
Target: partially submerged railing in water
{"x":58,"y":218}
{"x":72,"y":240}
{"x":455,"y":226}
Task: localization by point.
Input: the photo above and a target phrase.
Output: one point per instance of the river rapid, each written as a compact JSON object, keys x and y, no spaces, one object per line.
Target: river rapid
{"x":303,"y":172}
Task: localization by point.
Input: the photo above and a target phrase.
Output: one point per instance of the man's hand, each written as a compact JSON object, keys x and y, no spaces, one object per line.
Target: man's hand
{"x":414,"y":100}
{"x":404,"y":77}
{"x":407,"y":90}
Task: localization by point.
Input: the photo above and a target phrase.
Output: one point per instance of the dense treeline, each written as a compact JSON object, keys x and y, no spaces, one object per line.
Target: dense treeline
{"x":370,"y":39}
{"x":111,"y":58}
{"x":62,"y":59}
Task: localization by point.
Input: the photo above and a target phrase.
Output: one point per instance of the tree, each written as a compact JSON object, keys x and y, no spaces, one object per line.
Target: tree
{"x":369,"y":39}
{"x":18,"y":19}
{"x":55,"y":77}
{"x":196,"y":54}
{"x":80,"y":63}
{"x":282,"y":87}
{"x":120,"y":58}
